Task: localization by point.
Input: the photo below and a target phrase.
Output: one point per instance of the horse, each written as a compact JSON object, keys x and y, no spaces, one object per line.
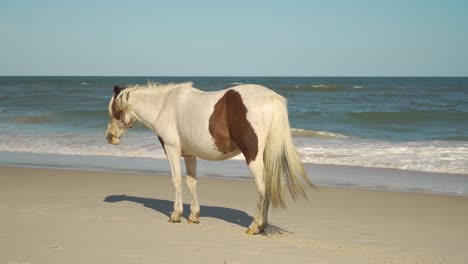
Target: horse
{"x":190,"y":123}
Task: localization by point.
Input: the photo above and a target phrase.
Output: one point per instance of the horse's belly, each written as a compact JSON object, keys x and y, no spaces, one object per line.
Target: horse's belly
{"x":223,"y":156}
{"x":211,"y":153}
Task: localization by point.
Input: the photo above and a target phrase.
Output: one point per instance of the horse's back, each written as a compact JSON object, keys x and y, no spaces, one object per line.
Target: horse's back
{"x":259,"y":102}
{"x":252,"y":96}
{"x":259,"y":93}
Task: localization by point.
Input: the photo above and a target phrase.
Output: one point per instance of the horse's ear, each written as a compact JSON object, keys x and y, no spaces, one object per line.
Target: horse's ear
{"x":117,"y":90}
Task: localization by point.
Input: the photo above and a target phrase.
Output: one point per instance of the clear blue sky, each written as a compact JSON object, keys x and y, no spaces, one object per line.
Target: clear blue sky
{"x":234,"y":38}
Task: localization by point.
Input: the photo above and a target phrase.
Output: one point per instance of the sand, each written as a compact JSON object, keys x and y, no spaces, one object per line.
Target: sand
{"x":66,"y":216}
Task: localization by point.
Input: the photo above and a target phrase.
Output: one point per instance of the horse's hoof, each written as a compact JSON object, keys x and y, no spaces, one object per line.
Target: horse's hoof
{"x":173,"y":221}
{"x":250,"y":232}
{"x":190,"y":221}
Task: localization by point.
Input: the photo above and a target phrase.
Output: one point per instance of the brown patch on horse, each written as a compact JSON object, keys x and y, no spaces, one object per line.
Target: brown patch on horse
{"x":219,"y":128}
{"x":230,"y":129}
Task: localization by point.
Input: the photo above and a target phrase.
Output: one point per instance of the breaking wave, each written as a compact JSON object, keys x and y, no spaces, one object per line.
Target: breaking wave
{"x":428,"y":156}
{"x":297,"y":132}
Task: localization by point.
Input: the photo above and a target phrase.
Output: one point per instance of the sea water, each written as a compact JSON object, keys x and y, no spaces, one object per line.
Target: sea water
{"x":412,"y":124}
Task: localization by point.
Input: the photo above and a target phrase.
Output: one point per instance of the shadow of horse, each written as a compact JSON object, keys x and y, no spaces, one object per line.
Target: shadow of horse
{"x":229,"y":215}
{"x":165,"y":207}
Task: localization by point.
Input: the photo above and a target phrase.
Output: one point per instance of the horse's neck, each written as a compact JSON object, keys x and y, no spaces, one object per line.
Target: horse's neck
{"x":146,"y":103}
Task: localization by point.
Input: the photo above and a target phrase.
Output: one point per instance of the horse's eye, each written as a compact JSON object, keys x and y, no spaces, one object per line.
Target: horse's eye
{"x":121,"y":124}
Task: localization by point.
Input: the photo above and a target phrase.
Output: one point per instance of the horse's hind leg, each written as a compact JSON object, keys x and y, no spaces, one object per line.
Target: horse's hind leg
{"x":260,"y":220}
{"x":191,"y":167}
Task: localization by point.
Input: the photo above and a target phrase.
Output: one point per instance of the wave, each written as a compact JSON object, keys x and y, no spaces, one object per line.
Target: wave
{"x":85,"y":83}
{"x":297,"y":132}
{"x":36,"y":119}
{"x":430,"y":156}
{"x":59,"y":117}
{"x":409,"y":116}
{"x":237,"y":83}
{"x":315,"y":87}
{"x":85,"y":113}
{"x":324,"y":87}
{"x":458,"y":88}
{"x":458,"y":138}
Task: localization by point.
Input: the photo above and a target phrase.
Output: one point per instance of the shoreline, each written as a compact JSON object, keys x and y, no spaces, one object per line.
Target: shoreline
{"x":69,"y":216}
{"x":322,"y":175}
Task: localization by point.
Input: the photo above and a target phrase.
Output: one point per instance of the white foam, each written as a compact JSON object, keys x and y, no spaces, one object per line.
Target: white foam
{"x":433,"y":156}
{"x":146,"y":146}
{"x":320,"y":86}
{"x":298,"y":132}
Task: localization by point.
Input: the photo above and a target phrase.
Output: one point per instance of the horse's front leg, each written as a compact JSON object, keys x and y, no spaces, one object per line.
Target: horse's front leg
{"x":173,"y":155}
{"x":191,"y":167}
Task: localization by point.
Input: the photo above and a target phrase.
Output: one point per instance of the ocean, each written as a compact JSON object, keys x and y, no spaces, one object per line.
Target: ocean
{"x":406,"y":124}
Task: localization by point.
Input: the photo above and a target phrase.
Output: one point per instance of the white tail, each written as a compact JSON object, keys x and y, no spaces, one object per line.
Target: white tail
{"x":281,"y":158}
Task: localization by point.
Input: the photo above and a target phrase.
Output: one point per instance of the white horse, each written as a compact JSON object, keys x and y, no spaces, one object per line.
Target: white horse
{"x":247,"y":119}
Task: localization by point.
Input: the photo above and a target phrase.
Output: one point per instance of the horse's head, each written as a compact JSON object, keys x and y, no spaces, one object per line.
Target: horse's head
{"x":120,"y":118}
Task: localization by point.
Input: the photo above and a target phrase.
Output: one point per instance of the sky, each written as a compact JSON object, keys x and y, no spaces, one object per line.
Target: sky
{"x":234,"y":38}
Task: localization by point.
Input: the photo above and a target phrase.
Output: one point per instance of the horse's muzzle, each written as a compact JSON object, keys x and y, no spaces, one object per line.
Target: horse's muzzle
{"x":112,"y":139}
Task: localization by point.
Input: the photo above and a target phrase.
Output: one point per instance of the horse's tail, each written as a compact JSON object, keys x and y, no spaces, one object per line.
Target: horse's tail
{"x":281,"y":158}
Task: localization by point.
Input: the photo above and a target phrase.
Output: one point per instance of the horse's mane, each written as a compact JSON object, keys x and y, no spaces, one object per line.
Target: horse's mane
{"x":120,"y":100}
{"x":158,"y":85}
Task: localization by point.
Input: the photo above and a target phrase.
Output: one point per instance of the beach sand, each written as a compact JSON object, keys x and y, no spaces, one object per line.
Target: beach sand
{"x":66,"y":216}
